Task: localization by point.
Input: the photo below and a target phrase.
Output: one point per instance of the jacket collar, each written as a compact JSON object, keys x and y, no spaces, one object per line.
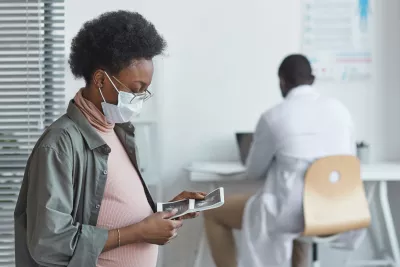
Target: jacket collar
{"x":92,"y":138}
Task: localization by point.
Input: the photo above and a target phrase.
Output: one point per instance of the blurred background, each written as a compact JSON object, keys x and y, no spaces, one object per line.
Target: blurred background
{"x":218,"y":75}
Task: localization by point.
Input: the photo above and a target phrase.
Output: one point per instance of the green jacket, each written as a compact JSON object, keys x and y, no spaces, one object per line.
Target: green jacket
{"x":59,"y":201}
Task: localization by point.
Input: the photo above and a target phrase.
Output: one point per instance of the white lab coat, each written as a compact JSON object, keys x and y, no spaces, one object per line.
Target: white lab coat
{"x":288,"y":138}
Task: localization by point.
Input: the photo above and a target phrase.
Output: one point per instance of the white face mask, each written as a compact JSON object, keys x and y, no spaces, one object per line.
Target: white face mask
{"x":128,"y":106}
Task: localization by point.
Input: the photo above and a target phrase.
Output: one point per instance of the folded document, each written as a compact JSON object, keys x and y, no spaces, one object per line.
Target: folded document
{"x":222,"y":168}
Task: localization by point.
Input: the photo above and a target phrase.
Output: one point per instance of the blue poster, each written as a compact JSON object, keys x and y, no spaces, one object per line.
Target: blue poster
{"x":337,"y":38}
{"x":363,"y":7}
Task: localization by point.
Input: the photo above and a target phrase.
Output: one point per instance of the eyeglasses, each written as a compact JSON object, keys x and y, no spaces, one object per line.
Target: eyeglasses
{"x":146,"y":95}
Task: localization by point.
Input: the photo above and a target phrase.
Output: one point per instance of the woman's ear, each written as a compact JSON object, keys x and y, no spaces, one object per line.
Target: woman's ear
{"x":98,"y":78}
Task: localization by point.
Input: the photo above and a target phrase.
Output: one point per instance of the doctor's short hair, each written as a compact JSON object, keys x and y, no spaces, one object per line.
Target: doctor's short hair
{"x":296,"y":70}
{"x":111,"y":41}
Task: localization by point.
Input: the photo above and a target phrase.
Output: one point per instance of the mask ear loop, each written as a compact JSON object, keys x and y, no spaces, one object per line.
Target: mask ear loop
{"x":102,"y":96}
{"x":115,"y":87}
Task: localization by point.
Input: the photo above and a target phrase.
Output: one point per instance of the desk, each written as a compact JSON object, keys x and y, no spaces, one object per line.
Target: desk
{"x":375,"y":175}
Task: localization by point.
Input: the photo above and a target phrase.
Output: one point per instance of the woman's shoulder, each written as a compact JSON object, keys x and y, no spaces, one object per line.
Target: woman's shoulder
{"x":62,"y":136}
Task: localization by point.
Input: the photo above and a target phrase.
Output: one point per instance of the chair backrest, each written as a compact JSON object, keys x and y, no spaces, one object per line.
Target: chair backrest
{"x":334,"y":197}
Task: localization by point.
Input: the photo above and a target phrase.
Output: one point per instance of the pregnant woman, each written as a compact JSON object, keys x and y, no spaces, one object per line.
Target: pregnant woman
{"x":83,"y":202}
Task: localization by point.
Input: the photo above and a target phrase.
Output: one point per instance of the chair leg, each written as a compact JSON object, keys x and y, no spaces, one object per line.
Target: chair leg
{"x":315,"y":260}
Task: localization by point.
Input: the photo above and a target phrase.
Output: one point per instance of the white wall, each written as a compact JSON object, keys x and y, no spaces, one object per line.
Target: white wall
{"x":389,"y":62}
{"x":221,"y":74}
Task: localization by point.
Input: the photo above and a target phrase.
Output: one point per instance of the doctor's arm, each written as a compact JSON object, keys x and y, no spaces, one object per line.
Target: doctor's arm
{"x":262,"y":151}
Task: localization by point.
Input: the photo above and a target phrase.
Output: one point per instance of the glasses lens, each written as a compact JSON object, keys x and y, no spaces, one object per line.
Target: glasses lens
{"x":141,"y":97}
{"x":148,"y":95}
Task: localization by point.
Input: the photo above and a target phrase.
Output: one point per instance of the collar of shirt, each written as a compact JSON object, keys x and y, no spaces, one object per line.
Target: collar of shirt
{"x":301,"y":90}
{"x":90,"y":135}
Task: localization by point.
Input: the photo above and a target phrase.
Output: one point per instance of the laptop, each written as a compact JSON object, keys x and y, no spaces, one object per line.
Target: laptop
{"x":244,"y":141}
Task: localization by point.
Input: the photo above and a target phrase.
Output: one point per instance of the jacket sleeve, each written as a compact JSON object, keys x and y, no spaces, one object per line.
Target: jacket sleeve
{"x":262,"y":151}
{"x":52,"y":238}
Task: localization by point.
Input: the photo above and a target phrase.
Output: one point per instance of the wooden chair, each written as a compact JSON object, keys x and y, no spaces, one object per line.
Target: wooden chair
{"x":334,"y":200}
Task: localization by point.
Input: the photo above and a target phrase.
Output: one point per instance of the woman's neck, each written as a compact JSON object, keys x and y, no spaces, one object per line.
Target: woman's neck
{"x":93,"y":114}
{"x":93,"y":96}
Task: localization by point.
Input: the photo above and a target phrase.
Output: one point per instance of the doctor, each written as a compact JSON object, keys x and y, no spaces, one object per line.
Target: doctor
{"x":288,"y":137}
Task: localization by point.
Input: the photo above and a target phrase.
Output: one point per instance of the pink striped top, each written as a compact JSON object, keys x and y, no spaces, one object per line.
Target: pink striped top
{"x":124,"y":203}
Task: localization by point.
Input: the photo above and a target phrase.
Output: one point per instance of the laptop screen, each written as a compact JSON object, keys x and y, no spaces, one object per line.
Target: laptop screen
{"x":244,"y":141}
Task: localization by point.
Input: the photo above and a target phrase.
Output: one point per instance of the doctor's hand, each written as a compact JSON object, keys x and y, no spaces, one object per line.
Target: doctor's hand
{"x":158,"y":228}
{"x":189,"y":195}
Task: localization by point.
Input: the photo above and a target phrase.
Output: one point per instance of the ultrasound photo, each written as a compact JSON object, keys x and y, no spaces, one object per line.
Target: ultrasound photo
{"x":182,"y":206}
{"x":211,"y":199}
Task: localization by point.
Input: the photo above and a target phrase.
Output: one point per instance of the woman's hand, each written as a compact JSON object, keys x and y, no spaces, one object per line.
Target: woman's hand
{"x":191,"y":195}
{"x":158,"y":228}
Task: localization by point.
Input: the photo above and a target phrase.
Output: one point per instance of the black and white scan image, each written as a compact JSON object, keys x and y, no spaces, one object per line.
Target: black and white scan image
{"x":182,"y":206}
{"x":211,"y":199}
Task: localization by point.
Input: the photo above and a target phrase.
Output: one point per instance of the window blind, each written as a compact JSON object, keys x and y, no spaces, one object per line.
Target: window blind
{"x":32,"y":94}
